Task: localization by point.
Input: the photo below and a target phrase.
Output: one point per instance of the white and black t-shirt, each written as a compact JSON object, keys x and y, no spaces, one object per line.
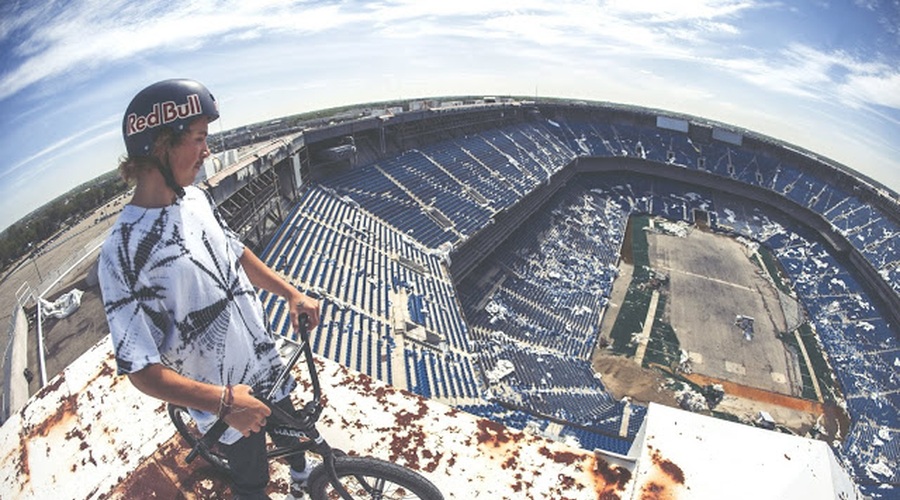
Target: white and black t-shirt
{"x":175,"y":294}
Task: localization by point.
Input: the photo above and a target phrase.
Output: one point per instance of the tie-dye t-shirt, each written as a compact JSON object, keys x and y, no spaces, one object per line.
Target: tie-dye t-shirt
{"x":175,"y":294}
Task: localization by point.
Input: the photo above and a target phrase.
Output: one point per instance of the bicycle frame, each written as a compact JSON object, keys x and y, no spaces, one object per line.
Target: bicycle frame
{"x":301,"y":425}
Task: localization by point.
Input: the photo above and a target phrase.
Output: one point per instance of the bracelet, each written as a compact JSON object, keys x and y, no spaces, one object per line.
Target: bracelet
{"x":221,"y":403}
{"x":225,"y":401}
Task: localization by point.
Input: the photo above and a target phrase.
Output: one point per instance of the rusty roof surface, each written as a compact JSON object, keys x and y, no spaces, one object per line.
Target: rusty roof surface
{"x":685,"y":455}
{"x":90,"y":434}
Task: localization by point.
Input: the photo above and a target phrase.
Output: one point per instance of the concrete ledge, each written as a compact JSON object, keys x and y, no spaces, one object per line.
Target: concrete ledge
{"x":89,"y":433}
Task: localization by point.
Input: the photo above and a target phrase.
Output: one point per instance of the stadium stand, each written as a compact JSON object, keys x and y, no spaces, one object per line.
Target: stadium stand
{"x":375,"y":241}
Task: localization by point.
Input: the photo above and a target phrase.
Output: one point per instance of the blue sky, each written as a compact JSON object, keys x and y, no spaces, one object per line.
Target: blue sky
{"x":824,"y":75}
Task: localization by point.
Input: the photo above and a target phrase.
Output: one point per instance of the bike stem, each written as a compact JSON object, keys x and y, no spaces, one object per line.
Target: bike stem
{"x":303,"y":349}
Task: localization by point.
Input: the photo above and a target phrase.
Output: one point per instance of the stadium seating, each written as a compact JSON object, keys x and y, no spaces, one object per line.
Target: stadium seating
{"x":366,"y":237}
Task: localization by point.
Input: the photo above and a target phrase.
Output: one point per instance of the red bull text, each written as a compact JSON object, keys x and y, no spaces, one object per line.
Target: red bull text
{"x":163,"y":113}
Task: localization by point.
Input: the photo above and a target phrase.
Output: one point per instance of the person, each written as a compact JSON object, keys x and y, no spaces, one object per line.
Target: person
{"x":178,"y":286}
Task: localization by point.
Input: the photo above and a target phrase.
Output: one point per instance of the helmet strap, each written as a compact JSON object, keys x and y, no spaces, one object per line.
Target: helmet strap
{"x":166,"y":170}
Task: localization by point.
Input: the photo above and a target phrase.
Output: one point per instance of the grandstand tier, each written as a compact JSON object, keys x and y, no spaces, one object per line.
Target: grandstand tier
{"x":463,"y":242}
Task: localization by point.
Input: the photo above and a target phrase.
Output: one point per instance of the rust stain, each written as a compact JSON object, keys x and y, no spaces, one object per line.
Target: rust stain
{"x":492,"y":434}
{"x":65,"y":411}
{"x":51,"y":387}
{"x":567,"y":482}
{"x":434,"y":460}
{"x":668,"y":467}
{"x":197,"y":480}
{"x":147,"y":481}
{"x":106,"y":370}
{"x":23,"y":470}
{"x":407,"y":438}
{"x":655,"y":491}
{"x":665,"y":480}
{"x":612,"y":479}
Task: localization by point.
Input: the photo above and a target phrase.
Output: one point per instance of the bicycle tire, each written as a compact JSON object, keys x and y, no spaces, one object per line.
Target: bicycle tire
{"x":391,"y":481}
{"x":187,"y":427}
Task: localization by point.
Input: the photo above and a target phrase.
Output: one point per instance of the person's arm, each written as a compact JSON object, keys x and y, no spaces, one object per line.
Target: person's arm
{"x":247,"y":414}
{"x":262,"y":276}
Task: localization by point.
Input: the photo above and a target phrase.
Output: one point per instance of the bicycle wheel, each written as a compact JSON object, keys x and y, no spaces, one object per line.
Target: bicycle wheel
{"x":366,"y":477}
{"x":187,"y":427}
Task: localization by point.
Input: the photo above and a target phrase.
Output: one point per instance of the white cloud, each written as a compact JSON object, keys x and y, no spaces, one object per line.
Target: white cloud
{"x":84,"y":36}
{"x":569,"y":48}
{"x":666,"y":11}
{"x":90,"y":34}
{"x":78,"y":141}
{"x":818,"y":75}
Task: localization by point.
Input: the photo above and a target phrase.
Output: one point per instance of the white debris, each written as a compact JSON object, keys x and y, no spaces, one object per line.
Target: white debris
{"x":879,"y":468}
{"x":503,"y":368}
{"x":691,"y":400}
{"x":497,"y":310}
{"x":65,"y":305}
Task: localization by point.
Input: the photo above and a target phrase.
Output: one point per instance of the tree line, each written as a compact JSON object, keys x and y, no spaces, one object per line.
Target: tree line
{"x":28,"y":233}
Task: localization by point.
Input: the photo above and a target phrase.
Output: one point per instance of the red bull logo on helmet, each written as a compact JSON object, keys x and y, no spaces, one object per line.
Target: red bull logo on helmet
{"x":163,"y":113}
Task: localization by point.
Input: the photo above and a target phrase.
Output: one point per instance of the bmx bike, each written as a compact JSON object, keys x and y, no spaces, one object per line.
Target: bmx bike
{"x":338,"y":475}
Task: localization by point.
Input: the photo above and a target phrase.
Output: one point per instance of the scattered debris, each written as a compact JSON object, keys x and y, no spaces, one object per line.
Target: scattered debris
{"x":63,"y":306}
{"x":503,"y":368}
{"x":745,"y":323}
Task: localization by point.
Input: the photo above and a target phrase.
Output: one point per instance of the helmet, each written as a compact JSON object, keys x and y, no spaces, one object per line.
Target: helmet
{"x":169,"y":103}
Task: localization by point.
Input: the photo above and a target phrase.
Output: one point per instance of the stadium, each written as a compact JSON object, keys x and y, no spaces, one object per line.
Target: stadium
{"x":514,"y":259}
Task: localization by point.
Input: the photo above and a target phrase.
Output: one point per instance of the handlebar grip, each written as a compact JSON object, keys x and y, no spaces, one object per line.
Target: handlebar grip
{"x":192,"y":455}
{"x":303,"y":319}
{"x":208,"y":439}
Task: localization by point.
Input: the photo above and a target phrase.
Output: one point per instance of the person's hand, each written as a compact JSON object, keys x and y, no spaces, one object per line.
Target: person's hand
{"x":298,"y":304}
{"x":247,"y":414}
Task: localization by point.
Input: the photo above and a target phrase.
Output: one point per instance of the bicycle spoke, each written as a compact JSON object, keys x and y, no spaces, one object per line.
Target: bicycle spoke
{"x":379,"y":487}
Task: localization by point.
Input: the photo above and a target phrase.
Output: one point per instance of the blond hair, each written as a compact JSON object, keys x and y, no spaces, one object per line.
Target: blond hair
{"x":130,"y":167}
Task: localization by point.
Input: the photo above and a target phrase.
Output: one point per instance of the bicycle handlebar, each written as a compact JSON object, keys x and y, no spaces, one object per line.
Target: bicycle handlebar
{"x":208,"y":439}
{"x":308,"y":415}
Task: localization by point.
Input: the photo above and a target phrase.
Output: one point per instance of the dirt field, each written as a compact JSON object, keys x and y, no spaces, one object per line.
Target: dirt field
{"x":711,"y":280}
{"x":623,"y":377}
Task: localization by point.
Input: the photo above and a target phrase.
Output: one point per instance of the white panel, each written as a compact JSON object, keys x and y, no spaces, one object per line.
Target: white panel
{"x":723,"y":135}
{"x":672,"y":124}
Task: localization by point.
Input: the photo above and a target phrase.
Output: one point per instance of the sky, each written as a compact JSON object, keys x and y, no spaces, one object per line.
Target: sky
{"x":824,"y":75}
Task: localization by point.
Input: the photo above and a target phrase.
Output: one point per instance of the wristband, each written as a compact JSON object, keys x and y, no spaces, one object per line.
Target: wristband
{"x":225,"y":401}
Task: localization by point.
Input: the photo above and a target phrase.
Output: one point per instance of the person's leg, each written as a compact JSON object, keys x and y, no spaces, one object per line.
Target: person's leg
{"x":249,"y":467}
{"x":300,"y":469}
{"x":298,"y":461}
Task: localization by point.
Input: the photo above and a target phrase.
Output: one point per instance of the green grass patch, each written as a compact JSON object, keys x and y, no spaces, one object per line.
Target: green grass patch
{"x":825,"y":377}
{"x":640,"y":248}
{"x":807,"y":392}
{"x":774,"y":269}
{"x":633,"y":311}
{"x":663,"y":348}
{"x":630,"y":320}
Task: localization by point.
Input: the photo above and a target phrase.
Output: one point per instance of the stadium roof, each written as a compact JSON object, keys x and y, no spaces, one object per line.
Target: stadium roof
{"x":90,"y":434}
{"x":703,"y":457}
